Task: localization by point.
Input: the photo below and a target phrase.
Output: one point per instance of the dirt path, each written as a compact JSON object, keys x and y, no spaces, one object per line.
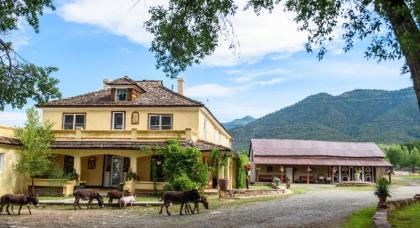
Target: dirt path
{"x":318,"y":208}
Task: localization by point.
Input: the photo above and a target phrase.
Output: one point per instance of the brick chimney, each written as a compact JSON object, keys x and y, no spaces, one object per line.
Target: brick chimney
{"x":181,"y":86}
{"x":105,"y":81}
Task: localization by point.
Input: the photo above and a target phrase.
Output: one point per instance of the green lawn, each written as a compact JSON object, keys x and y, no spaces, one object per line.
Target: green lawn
{"x":260,"y":186}
{"x":406,"y":180}
{"x":361,"y":218}
{"x":406,"y":217}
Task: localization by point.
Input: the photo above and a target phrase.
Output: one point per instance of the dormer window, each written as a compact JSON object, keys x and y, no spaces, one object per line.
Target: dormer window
{"x":122,"y":95}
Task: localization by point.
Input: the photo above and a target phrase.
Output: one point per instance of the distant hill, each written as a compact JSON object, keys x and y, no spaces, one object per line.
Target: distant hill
{"x":238,"y":122}
{"x":359,"y":115}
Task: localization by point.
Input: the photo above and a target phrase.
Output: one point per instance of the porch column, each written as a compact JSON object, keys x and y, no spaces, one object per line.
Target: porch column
{"x":363,"y":174}
{"x":133,"y":164}
{"x":77,"y":166}
{"x":339,"y":174}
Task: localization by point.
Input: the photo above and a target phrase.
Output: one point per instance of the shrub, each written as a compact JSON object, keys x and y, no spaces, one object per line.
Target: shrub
{"x":183,"y":167}
{"x":181,"y":183}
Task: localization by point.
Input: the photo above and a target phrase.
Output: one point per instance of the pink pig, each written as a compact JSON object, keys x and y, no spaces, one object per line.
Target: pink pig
{"x":127,"y":200}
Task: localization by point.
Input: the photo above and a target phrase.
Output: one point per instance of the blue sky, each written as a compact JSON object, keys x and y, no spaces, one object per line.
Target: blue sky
{"x":90,"y":40}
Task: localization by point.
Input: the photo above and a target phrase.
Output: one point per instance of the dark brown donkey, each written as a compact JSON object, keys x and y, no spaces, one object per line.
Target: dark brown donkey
{"x":87,"y":194}
{"x":10,"y":199}
{"x":116,"y":194}
{"x":183,"y":198}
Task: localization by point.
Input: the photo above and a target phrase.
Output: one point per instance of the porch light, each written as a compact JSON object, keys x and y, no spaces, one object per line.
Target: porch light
{"x":334,"y":169}
{"x":281,"y":169}
{"x":158,"y":162}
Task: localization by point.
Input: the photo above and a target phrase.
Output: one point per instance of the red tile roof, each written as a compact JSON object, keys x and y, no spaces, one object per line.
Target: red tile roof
{"x":154,"y":95}
{"x":289,"y":147}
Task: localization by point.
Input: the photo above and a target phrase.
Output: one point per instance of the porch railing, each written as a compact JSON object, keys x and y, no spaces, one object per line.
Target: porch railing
{"x":144,"y":135}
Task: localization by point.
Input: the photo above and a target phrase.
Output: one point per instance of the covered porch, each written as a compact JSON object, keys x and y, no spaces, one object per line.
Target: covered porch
{"x":317,"y":174}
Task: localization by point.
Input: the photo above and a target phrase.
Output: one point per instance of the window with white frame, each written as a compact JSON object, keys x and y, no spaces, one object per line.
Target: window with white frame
{"x":1,"y":161}
{"x":160,"y":122}
{"x":118,"y":120}
{"x":74,"y":121}
{"x":121,"y":95}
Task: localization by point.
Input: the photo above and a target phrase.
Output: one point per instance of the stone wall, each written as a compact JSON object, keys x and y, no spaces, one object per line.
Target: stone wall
{"x":242,"y":193}
{"x":380,"y":219}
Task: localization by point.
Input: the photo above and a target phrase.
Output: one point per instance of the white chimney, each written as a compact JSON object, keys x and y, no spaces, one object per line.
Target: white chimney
{"x":181,"y":86}
{"x":105,"y":81}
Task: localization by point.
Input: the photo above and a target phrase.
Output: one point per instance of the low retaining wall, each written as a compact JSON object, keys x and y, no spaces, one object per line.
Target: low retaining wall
{"x":240,"y":193}
{"x":380,"y":219}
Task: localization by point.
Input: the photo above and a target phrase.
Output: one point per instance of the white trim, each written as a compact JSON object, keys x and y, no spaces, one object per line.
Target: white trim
{"x":113,"y":121}
{"x":116,"y":94}
{"x":160,"y":121}
{"x":74,"y":120}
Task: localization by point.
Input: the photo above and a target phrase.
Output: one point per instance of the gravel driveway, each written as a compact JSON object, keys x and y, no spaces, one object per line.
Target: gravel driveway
{"x":321,"y":207}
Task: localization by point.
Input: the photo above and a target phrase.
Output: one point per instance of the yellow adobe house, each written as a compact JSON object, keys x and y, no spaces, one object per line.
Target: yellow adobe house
{"x":104,"y":134}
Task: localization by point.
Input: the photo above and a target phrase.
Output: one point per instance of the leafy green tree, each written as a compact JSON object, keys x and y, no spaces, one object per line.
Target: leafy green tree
{"x":414,"y":159}
{"x":19,"y":79}
{"x":241,"y":177}
{"x":183,"y":167}
{"x":35,"y":156}
{"x":187,"y":31}
{"x":397,"y":155}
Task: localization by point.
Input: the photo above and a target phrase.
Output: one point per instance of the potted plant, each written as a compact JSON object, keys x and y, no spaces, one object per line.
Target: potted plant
{"x":276,"y":181}
{"x":382,"y":190}
{"x":82,"y":184}
{"x":132,"y":175}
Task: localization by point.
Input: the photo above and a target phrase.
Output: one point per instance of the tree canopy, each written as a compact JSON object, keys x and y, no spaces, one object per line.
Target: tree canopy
{"x":21,"y":80}
{"x":187,"y":31}
{"x":36,"y":158}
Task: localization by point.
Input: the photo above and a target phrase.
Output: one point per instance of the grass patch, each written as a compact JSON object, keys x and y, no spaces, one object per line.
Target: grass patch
{"x":406,"y":180}
{"x":54,"y":197}
{"x":361,"y":218}
{"x":214,"y":204}
{"x":406,"y":217}
{"x":260,"y":186}
{"x":147,"y":199}
{"x":358,"y":189}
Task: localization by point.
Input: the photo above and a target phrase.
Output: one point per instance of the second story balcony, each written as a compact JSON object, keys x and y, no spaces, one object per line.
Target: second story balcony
{"x":125,"y":135}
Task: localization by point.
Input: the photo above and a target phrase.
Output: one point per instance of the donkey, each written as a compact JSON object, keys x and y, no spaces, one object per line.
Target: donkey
{"x":193,"y":196}
{"x":183,"y":198}
{"x":175,"y":197}
{"x":10,"y":199}
{"x":87,"y":194}
{"x":116,"y":194}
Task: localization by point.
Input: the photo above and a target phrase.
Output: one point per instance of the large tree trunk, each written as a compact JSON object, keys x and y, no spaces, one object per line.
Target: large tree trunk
{"x":408,"y":36}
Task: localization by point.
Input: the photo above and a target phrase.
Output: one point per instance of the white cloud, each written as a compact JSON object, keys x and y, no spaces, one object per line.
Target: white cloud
{"x":12,"y":118}
{"x":121,"y":17}
{"x":258,"y":36}
{"x":254,"y":74}
{"x":209,"y":90}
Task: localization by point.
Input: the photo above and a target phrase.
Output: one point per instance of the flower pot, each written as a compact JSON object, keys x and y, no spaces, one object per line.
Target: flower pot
{"x":382,"y":199}
{"x":223,"y":184}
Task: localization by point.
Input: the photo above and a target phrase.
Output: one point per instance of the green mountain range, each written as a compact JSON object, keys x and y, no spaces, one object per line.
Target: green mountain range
{"x":360,"y":115}
{"x":238,"y":122}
